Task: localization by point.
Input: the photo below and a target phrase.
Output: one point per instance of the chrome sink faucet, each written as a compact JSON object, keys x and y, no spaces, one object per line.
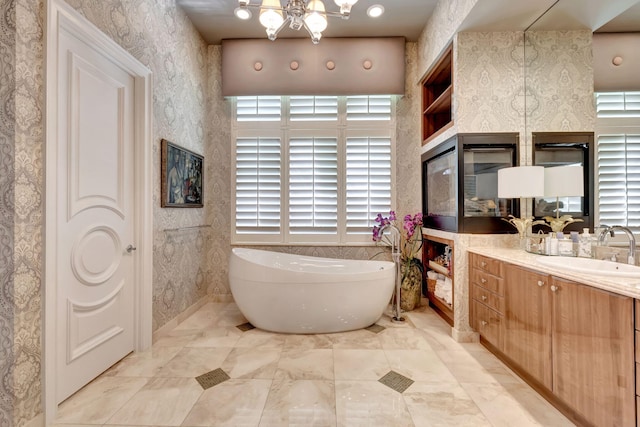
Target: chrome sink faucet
{"x":632,"y":240}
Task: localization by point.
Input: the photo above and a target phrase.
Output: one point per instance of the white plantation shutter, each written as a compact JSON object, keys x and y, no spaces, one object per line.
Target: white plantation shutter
{"x":619,"y":179}
{"x":258,"y":108}
{"x":258,"y":185}
{"x":313,"y":185}
{"x":618,"y":104}
{"x":369,"y":107}
{"x":318,"y":108}
{"x":618,"y":123}
{"x":312,"y":169}
{"x":368,"y":181}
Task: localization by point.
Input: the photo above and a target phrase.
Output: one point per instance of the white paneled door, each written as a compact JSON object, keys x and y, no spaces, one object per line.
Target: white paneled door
{"x":95,"y":213}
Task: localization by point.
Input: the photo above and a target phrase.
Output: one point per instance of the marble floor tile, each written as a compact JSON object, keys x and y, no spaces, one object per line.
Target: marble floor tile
{"x":217,"y":336}
{"x":307,"y":342}
{"x":309,"y":380}
{"x":477,"y":367}
{"x":233,"y":403}
{"x":360,"y":339}
{"x":143,"y":364}
{"x":441,"y":405}
{"x":514,"y":405}
{"x":161,"y":402}
{"x":99,"y":400}
{"x":206,"y":317}
{"x":314,"y":364}
{"x":191,"y":362}
{"x":300,"y":403}
{"x":256,"y":363}
{"x":259,"y":338}
{"x":401,"y":338}
{"x":370,"y":403}
{"x":360,"y":364}
{"x":419,"y":365}
{"x":178,"y":338}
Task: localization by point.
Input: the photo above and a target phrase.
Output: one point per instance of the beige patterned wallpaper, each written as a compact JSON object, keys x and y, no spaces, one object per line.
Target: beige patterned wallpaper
{"x":159,"y":35}
{"x":489,"y":82}
{"x":559,"y":80}
{"x":7,"y":178}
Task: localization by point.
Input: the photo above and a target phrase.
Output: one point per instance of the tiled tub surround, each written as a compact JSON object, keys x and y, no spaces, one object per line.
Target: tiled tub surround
{"x":320,"y":380}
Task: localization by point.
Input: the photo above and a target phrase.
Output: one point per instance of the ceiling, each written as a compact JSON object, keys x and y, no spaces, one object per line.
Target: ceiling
{"x":214,"y":19}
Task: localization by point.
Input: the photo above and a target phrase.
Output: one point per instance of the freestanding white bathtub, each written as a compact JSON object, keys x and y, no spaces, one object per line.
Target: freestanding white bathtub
{"x":308,"y":295}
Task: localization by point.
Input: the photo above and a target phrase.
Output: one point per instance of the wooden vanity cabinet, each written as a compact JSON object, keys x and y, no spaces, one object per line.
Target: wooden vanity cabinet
{"x":487,"y":299}
{"x":572,"y":342}
{"x":528,"y":322}
{"x":593,"y":352}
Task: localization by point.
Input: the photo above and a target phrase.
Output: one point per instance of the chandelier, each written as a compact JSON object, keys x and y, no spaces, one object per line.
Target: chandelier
{"x":309,"y":14}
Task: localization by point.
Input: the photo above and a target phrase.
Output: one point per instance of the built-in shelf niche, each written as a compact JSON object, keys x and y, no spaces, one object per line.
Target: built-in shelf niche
{"x":437,"y":93}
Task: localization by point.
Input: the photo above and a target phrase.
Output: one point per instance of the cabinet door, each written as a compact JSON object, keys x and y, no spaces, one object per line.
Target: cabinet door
{"x":593,"y":366}
{"x":527,"y":338}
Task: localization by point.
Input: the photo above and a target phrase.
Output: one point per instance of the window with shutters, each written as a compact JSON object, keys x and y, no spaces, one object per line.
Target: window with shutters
{"x":618,"y":136}
{"x":312,"y":169}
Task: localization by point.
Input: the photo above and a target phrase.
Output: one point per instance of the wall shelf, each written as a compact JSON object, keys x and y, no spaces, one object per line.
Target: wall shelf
{"x":434,"y":247}
{"x":437,"y":94}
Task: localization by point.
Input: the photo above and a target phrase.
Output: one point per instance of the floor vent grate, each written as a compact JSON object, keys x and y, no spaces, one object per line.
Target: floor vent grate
{"x":212,"y":378}
{"x":395,"y":381}
{"x":246,"y":327}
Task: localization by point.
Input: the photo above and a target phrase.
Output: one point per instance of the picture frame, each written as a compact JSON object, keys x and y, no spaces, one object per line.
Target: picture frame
{"x":181,"y":180}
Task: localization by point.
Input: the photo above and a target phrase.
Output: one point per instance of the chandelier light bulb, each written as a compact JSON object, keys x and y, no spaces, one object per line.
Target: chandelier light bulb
{"x":315,"y":17}
{"x":345,"y":6}
{"x":271,"y":18}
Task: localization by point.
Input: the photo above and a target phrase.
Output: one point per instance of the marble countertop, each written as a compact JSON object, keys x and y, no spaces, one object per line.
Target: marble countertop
{"x":620,"y":285}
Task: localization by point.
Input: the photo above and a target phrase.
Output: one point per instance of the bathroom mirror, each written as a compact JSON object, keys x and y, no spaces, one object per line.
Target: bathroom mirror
{"x":560,"y":69}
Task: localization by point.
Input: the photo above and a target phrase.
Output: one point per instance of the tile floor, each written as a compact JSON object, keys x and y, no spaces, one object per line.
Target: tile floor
{"x":280,"y":380}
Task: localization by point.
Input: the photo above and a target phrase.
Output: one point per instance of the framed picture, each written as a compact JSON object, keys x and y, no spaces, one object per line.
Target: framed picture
{"x":181,"y":177}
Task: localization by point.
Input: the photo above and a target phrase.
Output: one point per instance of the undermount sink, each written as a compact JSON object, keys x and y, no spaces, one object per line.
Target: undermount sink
{"x":592,"y":266}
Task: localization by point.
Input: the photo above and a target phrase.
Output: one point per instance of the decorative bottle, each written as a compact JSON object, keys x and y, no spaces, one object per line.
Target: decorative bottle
{"x":584,"y":244}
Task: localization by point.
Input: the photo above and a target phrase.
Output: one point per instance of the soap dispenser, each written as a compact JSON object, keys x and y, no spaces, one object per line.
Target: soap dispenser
{"x":584,"y":244}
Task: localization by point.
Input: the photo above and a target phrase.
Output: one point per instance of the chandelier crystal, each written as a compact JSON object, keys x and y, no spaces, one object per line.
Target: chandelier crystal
{"x":310,"y":14}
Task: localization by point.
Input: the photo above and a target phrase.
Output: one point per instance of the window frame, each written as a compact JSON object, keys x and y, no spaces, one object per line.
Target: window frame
{"x":284,"y":129}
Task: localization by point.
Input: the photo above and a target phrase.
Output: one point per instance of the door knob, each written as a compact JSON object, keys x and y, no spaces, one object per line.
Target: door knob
{"x":554,"y":288}
{"x":131,"y":248}
{"x":540,"y":283}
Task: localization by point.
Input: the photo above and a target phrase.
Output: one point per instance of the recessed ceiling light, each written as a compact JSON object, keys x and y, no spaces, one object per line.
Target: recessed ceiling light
{"x":375,"y":11}
{"x":242,"y":13}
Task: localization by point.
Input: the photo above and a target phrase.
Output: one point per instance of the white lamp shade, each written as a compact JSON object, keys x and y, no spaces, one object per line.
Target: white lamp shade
{"x":315,"y":18}
{"x":521,"y":181}
{"x":563,"y":181}
{"x":271,"y":18}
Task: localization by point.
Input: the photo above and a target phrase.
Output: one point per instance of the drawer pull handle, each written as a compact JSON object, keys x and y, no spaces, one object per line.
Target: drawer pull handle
{"x":483,"y":323}
{"x":554,"y":288}
{"x":483,"y":280}
{"x":484,"y":297}
{"x":484,"y":264}
{"x":540,"y":283}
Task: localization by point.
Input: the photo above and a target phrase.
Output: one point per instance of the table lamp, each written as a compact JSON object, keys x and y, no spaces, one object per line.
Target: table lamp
{"x":521,"y":182}
{"x":563,"y":181}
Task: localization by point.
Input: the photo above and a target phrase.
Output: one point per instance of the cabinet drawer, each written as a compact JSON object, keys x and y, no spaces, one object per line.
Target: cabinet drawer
{"x":487,"y":298}
{"x":490,"y":265}
{"x":487,"y":281}
{"x":489,"y":324}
